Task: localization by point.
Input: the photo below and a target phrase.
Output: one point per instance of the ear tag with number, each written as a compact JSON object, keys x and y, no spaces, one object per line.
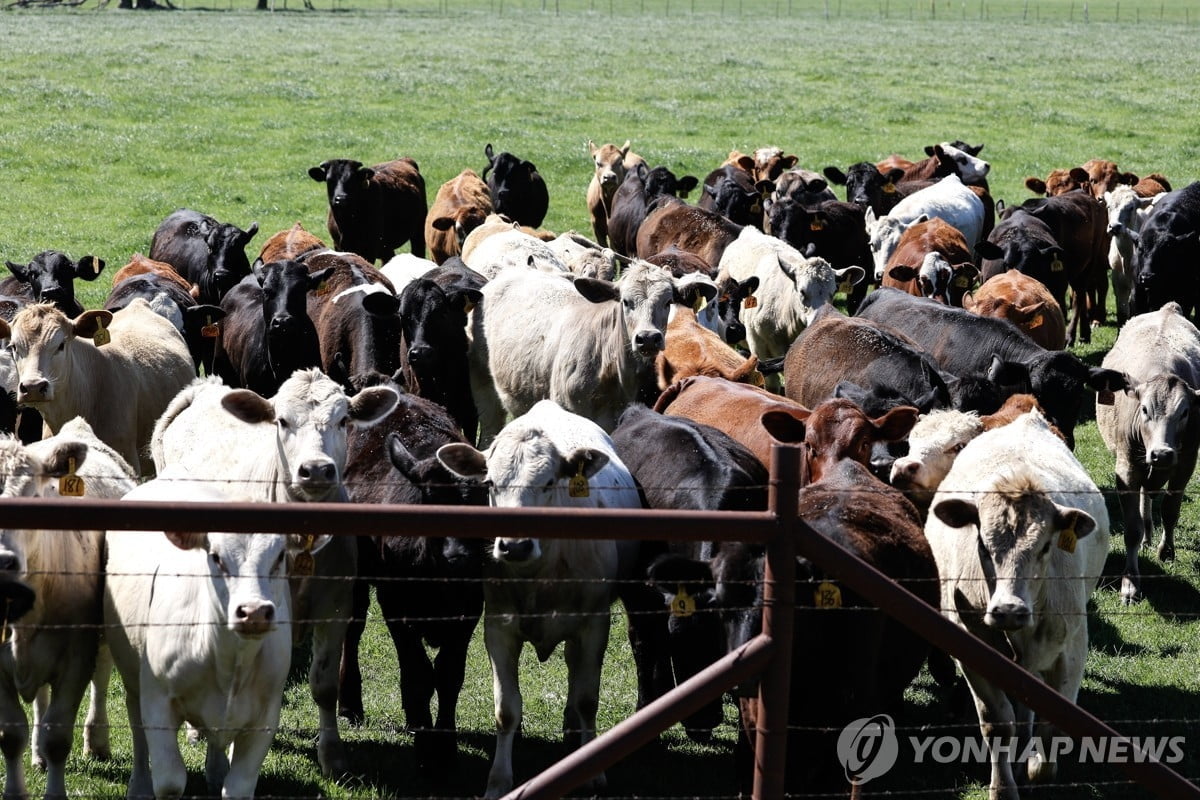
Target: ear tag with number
{"x":962,"y":282}
{"x":816,"y":225}
{"x":303,"y":565}
{"x":578,"y":486}
{"x":827,"y":595}
{"x":889,"y":188}
{"x":750,"y":302}
{"x":684,"y":605}
{"x":1056,"y":265}
{"x":71,"y":485}
{"x":209,"y":331}
{"x":101,"y":337}
{"x":1067,"y":540}
{"x":1106,"y":398}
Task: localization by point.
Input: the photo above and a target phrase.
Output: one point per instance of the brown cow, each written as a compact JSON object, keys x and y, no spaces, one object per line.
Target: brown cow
{"x":941,"y":160}
{"x":140,"y":265}
{"x":1059,"y":181}
{"x":462,"y":204}
{"x":692,"y":349}
{"x":1025,"y":302}
{"x":611,"y":163}
{"x":289,"y":245}
{"x":1104,"y":176}
{"x":690,"y":228}
{"x":766,"y":164}
{"x":950,"y":275}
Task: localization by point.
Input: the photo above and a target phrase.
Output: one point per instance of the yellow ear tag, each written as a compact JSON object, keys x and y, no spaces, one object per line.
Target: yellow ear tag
{"x":816,"y":225}
{"x":71,"y":485}
{"x":756,"y":208}
{"x":209,"y":331}
{"x":4,"y":622}
{"x":889,"y":188}
{"x":750,"y":302}
{"x":962,"y":282}
{"x":303,"y":565}
{"x":700,"y":304}
{"x":322,"y":289}
{"x":101,"y":337}
{"x":827,"y":595}
{"x":469,"y":307}
{"x":1067,"y":539}
{"x":1036,"y":322}
{"x":684,"y":605}
{"x":1056,"y":265}
{"x":578,"y":486}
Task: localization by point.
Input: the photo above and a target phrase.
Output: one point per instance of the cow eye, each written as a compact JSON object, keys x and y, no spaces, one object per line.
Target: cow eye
{"x":60,"y":347}
{"x":283,"y":424}
{"x":343,"y":422}
{"x":216,"y":560}
{"x":956,"y":448}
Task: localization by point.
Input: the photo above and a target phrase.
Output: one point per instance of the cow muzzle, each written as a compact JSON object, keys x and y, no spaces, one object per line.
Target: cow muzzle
{"x":648,"y":343}
{"x":16,"y":600}
{"x":254,"y":619}
{"x":734,"y":332}
{"x":317,"y":477}
{"x":516,"y":551}
{"x":1162,"y":457}
{"x":35,"y":390}
{"x":10,"y":564}
{"x":1008,"y":614}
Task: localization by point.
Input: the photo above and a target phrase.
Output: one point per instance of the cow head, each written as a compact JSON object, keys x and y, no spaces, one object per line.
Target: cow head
{"x":661,"y":180}
{"x":1059,"y":181}
{"x":1104,"y":176}
{"x":867,"y":187}
{"x":285,"y":286}
{"x":971,"y":169}
{"x":312,"y":415}
{"x":247,"y":575}
{"x":732,"y":294}
{"x":770,"y":163}
{"x":1016,"y":526}
{"x":937,"y":278}
{"x":1164,"y":420}
{"x":884,"y":234}
{"x":43,"y":340}
{"x":1158,"y":255}
{"x":347,"y":183}
{"x":434,"y":321}
{"x":734,"y":195}
{"x":464,"y":220}
{"x":609,"y":163}
{"x":51,"y":277}
{"x":227,"y":261}
{"x":933,"y":444}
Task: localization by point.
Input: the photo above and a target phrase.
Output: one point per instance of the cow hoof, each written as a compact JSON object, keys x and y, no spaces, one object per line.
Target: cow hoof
{"x":354,"y":717}
{"x":99,"y":751}
{"x":436,"y":751}
{"x":1130,"y":593}
{"x":1166,"y":552}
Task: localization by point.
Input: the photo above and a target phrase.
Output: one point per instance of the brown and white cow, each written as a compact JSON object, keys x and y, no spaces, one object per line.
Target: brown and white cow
{"x":460,"y":206}
{"x":946,"y":277}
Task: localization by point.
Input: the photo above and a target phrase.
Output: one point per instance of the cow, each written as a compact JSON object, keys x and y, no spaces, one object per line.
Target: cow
{"x":673,"y":223}
{"x":288,"y":245}
{"x":208,"y":254}
{"x":583,"y":257}
{"x":53,"y":644}
{"x":1126,"y":213}
{"x":946,"y":159}
{"x":932,"y":259}
{"x":197,"y":322}
{"x":731,"y":192}
{"x":948,"y":199}
{"x":199,"y":625}
{"x":1169,"y":243}
{"x":1059,"y":181}
{"x":140,"y":265}
{"x":1077,"y":224}
{"x":1020,"y":534}
{"x":266,"y":334}
{"x":49,"y":277}
{"x":967,"y":344}
{"x":547,"y":457}
{"x":832,"y":230}
{"x":1025,"y":302}
{"x":291,"y":448}
{"x":611,"y":163}
{"x":1105,"y":176}
{"x":791,"y":288}
{"x":635,"y":198}
{"x":765,"y":163}
{"x":374,"y":210}
{"x":584,"y":345}
{"x":117,"y":371}
{"x":692,"y":349}
{"x":395,"y":462}
{"x":867,"y":186}
{"x":491,"y":249}
{"x":803,"y":187}
{"x":517,"y":188}
{"x":460,"y":206}
{"x":1152,"y":428}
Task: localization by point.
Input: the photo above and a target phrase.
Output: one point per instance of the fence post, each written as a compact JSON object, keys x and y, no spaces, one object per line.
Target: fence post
{"x":779,"y":600}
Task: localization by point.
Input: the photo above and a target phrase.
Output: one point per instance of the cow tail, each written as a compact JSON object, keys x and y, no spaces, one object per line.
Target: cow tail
{"x":669,"y":394}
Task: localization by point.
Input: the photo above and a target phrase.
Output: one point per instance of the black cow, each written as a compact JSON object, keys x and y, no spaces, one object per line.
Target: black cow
{"x":374,"y":210}
{"x":207,"y":253}
{"x":50,"y":278}
{"x":801,"y":186}
{"x":433,"y":318}
{"x":867,"y":187}
{"x":429,"y":589}
{"x":966,"y":344}
{"x":635,"y":196}
{"x":267,"y":334}
{"x":1025,"y":243}
{"x":198,"y":323}
{"x":518,"y":190}
{"x":1166,"y":254}
{"x":834,"y":230}
{"x":732,"y":192}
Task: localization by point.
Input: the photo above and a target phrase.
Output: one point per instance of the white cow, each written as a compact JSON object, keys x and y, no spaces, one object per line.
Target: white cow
{"x":1126,"y":212}
{"x":199,"y":628}
{"x":533,"y":463}
{"x":404,"y":268}
{"x":490,"y":250}
{"x":120,"y":388}
{"x":947,"y":199}
{"x":584,"y":257}
{"x":586,"y":345}
{"x":790,"y":289}
{"x":1020,"y":534}
{"x":49,"y":653}
{"x":291,"y":448}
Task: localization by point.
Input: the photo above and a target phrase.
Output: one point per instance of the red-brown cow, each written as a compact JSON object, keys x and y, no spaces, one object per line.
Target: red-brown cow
{"x":1025,"y":302}
{"x":692,"y":349}
{"x":461,"y":205}
{"x":946,"y":277}
{"x":289,"y":245}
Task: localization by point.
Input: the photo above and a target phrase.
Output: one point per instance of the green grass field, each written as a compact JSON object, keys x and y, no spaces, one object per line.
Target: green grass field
{"x":114,"y":119}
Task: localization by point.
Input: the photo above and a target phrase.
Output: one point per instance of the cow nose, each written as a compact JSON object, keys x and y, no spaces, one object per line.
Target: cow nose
{"x":734,"y":332}
{"x":33,"y":390}
{"x":1008,"y":615}
{"x":514,"y":549}
{"x":647,"y":342}
{"x":9,"y":562}
{"x":905,"y":468}
{"x":281,"y":322}
{"x":338,"y":200}
{"x":420,"y":353}
{"x":608,"y":177}
{"x":1163,"y":457}
{"x":317,"y":472}
{"x":254,"y":619}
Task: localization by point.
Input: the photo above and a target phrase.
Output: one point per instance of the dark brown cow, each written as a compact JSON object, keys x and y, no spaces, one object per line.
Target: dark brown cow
{"x":948,"y":278}
{"x":374,"y":210}
{"x":461,"y":205}
{"x":1025,"y":302}
{"x":690,"y":228}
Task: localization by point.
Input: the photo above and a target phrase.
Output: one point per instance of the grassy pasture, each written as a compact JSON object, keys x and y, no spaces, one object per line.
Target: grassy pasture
{"x":112,"y":120}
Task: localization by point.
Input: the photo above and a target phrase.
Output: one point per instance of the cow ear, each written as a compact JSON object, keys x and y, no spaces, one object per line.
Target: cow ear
{"x":851,"y":391}
{"x":1128,"y":178}
{"x":625,"y":148}
{"x":468,"y":298}
{"x":248,"y":234}
{"x":747,"y":287}
{"x":250,"y":407}
{"x":668,"y":572}
{"x":985,"y":249}
{"x":400,"y":456}
{"x":380,"y":304}
{"x":489,"y":152}
{"x":835,"y":176}
{"x":89,"y":268}
{"x":463,"y":460}
{"x":932,"y":149}
{"x":853,"y":274}
{"x":373,"y":404}
{"x":785,"y":426}
{"x":957,"y":513}
{"x":20,"y":271}
{"x":789,"y":161}
{"x":1035,"y":185}
{"x":596,"y":290}
{"x":58,"y":462}
{"x":584,"y":460}
{"x":1080,"y":175}
{"x":709,"y":190}
{"x":318,"y":173}
{"x":690,"y":293}
{"x":203,"y":314}
{"x":190,"y":540}
{"x":745,"y":163}
{"x":686,"y":184}
{"x":5,"y":331}
{"x":315,"y":279}
{"x":902,"y":273}
{"x":869,"y":217}
{"x":896,"y":423}
{"x":1007,"y":373}
{"x":1108,"y":380}
{"x":1067,"y":518}
{"x":86,"y":324}
{"x":442,"y":223}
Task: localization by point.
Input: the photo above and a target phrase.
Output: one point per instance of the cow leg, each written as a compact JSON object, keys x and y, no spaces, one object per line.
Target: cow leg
{"x":416,"y":683}
{"x":41,"y":701}
{"x":56,"y":727}
{"x":139,"y":778}
{"x":216,"y":766}
{"x":249,"y":751}
{"x":1172,"y":502}
{"x":14,"y":738}
{"x":95,"y":727}
{"x":997,"y":724}
{"x":332,"y":602}
{"x":483,"y":391}
{"x":449,"y":672}
{"x":350,"y":704}
{"x":169,"y":777}
{"x":584,"y":655}
{"x":1131,"y":581}
{"x":504,"y":650}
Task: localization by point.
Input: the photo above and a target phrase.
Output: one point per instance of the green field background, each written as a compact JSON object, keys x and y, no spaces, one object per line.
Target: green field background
{"x":112,"y":119}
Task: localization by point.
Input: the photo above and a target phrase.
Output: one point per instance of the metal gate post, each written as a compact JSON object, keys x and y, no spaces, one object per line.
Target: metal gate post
{"x":779,"y":594}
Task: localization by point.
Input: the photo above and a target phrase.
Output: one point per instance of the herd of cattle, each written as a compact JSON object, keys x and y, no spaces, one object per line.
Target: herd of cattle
{"x":652,"y":365}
